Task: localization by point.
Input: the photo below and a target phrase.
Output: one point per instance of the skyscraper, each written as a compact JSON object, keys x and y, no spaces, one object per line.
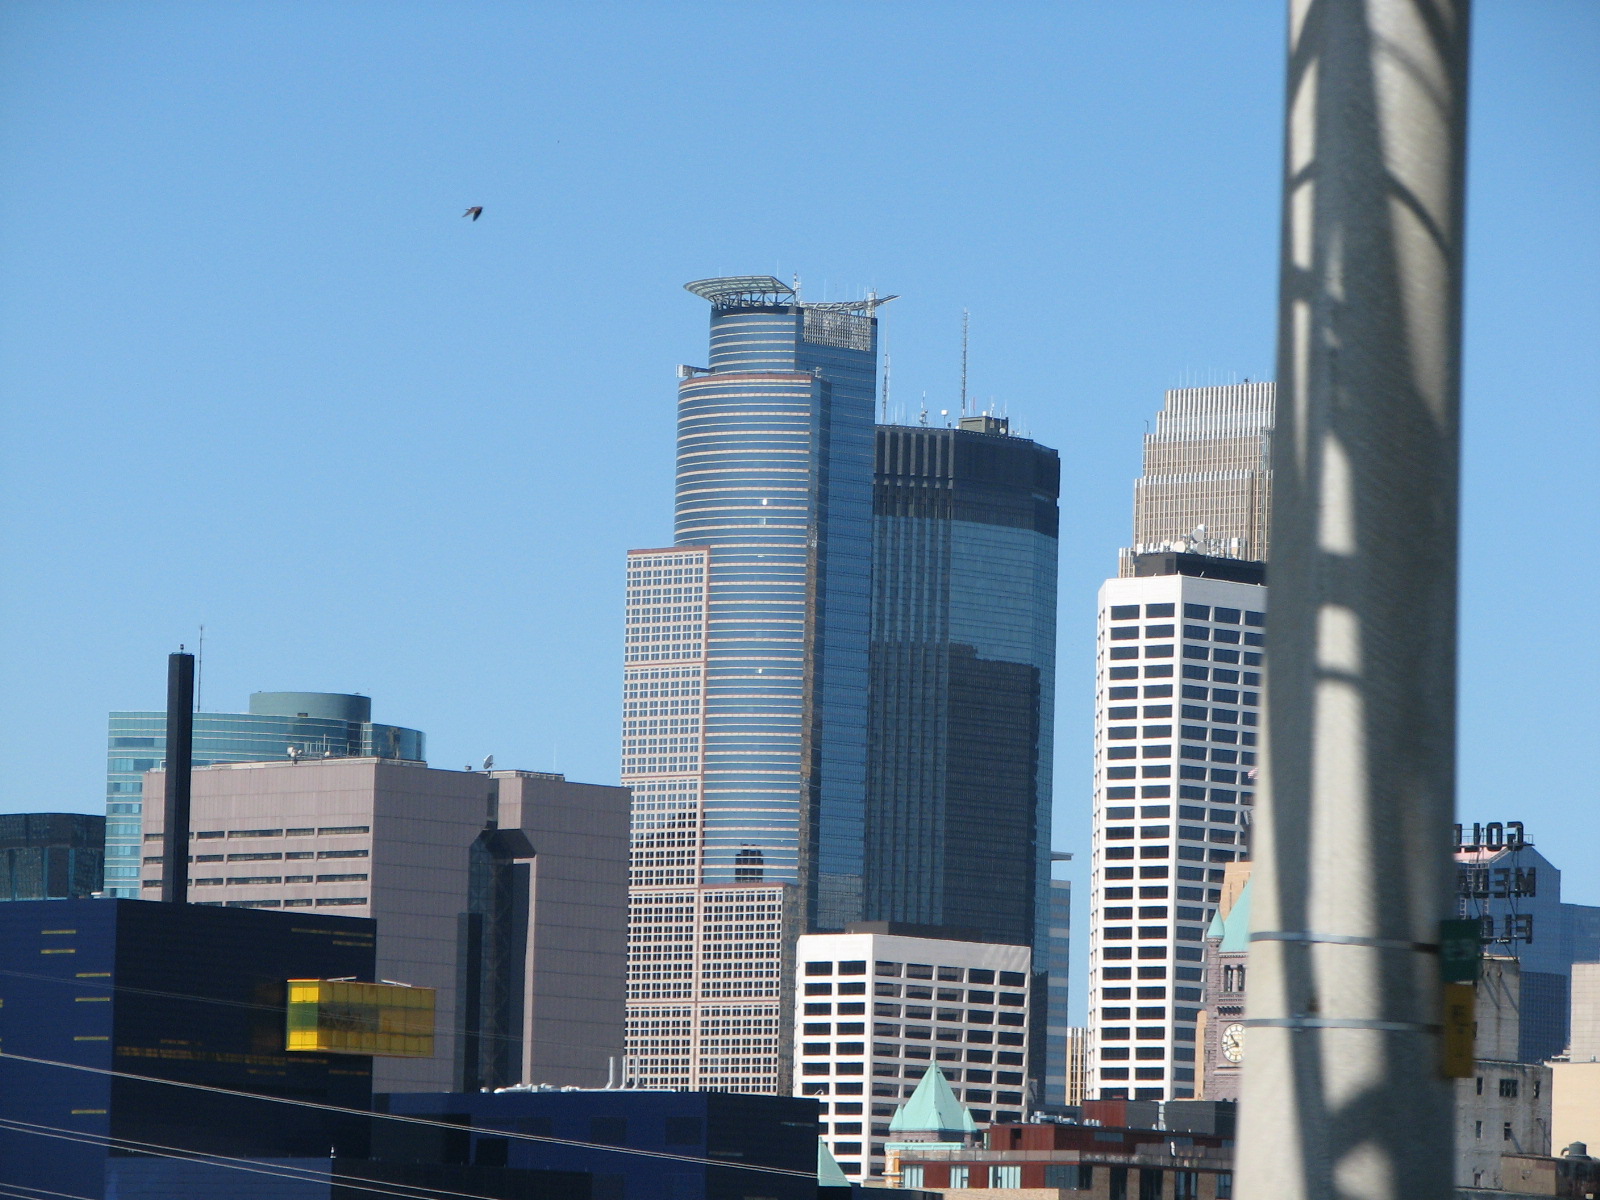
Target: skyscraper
{"x":961,"y":703}
{"x":1178,"y":703}
{"x":1179,"y":665}
{"x":745,"y":685}
{"x":962,"y":696}
{"x":315,"y":724}
{"x":1207,"y":480}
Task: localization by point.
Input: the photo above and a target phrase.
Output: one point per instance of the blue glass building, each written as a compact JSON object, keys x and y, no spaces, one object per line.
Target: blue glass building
{"x":745,"y":683}
{"x":962,"y":695}
{"x":774,"y":476}
{"x":315,"y":724}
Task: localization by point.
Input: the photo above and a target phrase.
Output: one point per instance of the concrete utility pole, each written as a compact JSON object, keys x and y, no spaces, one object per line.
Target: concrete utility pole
{"x":1343,"y":1097}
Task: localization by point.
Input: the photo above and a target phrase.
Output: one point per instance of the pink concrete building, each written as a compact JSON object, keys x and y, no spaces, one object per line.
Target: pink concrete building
{"x":504,"y":890}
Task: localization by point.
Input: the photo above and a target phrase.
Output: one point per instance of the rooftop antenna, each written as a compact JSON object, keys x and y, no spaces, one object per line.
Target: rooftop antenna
{"x":964,"y":323}
{"x":797,"y":287}
{"x":199,"y":664}
{"x":923,"y":419}
{"x":883,"y":403}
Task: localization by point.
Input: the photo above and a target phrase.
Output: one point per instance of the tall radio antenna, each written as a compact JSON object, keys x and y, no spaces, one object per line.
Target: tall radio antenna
{"x":964,"y":322}
{"x":883,"y":404}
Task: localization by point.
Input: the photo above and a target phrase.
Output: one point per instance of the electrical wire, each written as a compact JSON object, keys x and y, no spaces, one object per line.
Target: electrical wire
{"x":410,"y":1120}
{"x":28,"y":1187}
{"x":253,"y":1166}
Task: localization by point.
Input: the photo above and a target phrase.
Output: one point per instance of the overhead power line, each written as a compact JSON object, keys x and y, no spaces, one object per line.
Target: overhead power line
{"x":665,"y":1155}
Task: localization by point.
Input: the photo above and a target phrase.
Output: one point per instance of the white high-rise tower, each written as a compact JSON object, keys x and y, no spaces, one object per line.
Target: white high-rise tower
{"x":1181,"y":640}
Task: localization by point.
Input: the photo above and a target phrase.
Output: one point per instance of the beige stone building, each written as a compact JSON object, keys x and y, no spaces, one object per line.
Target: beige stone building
{"x":1504,"y":1109}
{"x":504,"y":890}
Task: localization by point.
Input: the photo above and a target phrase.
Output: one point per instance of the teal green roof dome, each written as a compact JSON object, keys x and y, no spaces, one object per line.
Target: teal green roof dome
{"x":1234,"y":929}
{"x":933,"y":1108}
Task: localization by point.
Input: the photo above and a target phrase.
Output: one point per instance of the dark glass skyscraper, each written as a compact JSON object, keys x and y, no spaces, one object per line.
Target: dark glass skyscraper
{"x":962,"y":693}
{"x":745,"y":684}
{"x":961,"y":703}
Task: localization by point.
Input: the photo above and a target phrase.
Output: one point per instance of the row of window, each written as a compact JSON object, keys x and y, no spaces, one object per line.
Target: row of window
{"x":1150,"y":993}
{"x":1187,"y":812}
{"x":1192,"y":612}
{"x":1250,"y":679}
{"x":944,"y":974}
{"x":263,"y":880}
{"x":306,"y":831}
{"x":268,"y":856}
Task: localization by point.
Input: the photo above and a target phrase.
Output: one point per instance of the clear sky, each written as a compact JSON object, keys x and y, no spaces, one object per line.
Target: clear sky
{"x":259,"y":374}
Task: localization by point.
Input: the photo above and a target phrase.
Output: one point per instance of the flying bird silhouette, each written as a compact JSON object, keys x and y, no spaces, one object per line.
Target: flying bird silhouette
{"x":474,"y":212}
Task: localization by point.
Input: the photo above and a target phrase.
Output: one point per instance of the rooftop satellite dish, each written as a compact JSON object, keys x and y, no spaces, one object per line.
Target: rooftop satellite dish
{"x":293,"y":753}
{"x":488,"y":763}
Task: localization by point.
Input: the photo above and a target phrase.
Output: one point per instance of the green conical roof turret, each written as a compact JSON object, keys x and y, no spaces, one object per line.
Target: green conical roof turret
{"x":933,"y":1108}
{"x":829,"y":1173}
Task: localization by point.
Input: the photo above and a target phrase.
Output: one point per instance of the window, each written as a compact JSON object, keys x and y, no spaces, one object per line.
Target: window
{"x":1508,"y":1088}
{"x":1228,"y":616}
{"x":960,"y":1176}
{"x":1157,"y":710}
{"x":1124,"y":612}
{"x":1071,"y":1176}
{"x":1197,"y":612}
{"x":911,"y":1177}
{"x":1224,"y":1185}
{"x":1008,"y":1176}
{"x":1159,"y":631}
{"x":1506,"y":1135}
{"x":819,"y":968}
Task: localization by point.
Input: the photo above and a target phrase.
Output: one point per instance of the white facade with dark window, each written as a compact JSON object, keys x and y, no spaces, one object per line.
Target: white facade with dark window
{"x":1179,"y":668}
{"x":873,"y":1010}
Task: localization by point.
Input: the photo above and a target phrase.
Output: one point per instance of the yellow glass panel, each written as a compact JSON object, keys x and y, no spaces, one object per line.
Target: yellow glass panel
{"x":343,"y":1017}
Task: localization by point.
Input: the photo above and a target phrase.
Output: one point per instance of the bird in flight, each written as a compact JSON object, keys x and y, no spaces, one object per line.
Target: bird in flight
{"x":474,"y":212}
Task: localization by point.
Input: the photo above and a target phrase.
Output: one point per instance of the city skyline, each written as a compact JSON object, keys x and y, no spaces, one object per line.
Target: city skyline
{"x":341,"y":494}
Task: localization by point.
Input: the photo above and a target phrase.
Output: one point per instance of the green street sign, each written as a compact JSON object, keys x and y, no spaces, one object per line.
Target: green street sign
{"x":1460,"y":951}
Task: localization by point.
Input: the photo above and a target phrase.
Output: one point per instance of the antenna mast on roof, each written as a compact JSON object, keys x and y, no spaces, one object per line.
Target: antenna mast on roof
{"x":964,"y":321}
{"x":883,"y":403}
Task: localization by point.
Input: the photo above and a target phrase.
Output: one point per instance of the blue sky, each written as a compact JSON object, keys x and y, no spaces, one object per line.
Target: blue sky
{"x":259,"y":374}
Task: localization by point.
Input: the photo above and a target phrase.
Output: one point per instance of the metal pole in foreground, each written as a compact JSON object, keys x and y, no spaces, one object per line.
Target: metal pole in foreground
{"x":1343,"y":1096}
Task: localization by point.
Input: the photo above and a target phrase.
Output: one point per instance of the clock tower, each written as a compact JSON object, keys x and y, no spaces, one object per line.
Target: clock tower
{"x":1221,"y":1033}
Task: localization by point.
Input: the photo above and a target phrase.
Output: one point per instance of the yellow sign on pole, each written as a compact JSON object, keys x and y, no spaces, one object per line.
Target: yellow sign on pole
{"x":1456,"y":1051}
{"x":335,"y":1016}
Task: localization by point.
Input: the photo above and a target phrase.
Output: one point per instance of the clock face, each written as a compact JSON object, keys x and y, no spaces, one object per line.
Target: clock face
{"x":1233,"y":1042}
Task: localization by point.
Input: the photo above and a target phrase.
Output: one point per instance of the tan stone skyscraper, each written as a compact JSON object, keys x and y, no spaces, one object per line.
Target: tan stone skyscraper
{"x":1207,"y":479}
